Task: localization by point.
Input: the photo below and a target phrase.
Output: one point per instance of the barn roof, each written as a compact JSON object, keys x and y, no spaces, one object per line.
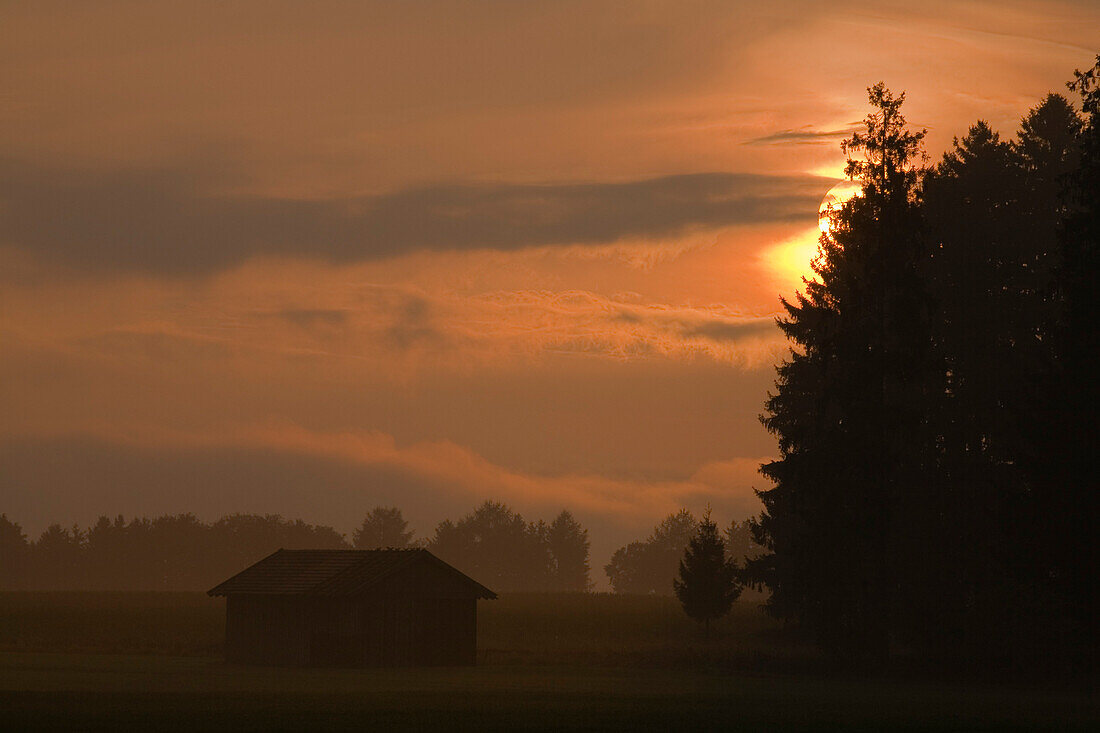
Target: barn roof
{"x":336,"y":573}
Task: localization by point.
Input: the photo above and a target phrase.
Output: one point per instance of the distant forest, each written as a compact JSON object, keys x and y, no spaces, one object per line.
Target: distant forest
{"x":493,"y":544}
{"x":936,"y":489}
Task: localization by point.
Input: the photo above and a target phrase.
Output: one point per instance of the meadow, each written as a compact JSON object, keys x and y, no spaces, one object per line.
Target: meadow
{"x":523,"y":628}
{"x":146,"y":660}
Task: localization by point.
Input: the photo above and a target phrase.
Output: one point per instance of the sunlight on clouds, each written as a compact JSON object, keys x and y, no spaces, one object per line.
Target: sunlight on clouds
{"x":833,"y":169}
{"x":789,"y":261}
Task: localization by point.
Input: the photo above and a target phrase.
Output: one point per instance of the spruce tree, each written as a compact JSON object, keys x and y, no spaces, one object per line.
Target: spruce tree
{"x":1071,"y":501}
{"x":993,"y":209}
{"x":707,"y":584}
{"x":848,"y":405}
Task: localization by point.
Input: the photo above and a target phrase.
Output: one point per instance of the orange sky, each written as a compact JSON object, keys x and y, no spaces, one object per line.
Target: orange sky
{"x":310,"y":257}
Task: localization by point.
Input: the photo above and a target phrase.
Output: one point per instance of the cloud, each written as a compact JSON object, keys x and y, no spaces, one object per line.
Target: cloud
{"x":412,"y":325}
{"x":312,"y":317}
{"x":583,"y":322}
{"x":806,"y":135}
{"x":397,"y":330}
{"x":167,"y":222}
{"x":720,"y":330}
{"x":651,"y":417}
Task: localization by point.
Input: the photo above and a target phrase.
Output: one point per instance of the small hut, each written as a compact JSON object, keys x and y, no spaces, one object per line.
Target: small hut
{"x":353,"y":608}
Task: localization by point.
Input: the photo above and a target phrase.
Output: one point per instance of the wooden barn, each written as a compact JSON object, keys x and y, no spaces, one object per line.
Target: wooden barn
{"x":354,"y":608}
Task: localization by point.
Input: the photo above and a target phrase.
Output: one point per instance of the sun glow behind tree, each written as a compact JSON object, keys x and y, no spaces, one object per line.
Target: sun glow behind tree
{"x":792,"y":259}
{"x":836,"y":198}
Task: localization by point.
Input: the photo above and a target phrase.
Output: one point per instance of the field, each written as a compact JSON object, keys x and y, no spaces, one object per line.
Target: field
{"x":151,"y":661}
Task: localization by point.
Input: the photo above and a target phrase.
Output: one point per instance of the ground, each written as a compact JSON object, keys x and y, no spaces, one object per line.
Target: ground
{"x":150,"y":661}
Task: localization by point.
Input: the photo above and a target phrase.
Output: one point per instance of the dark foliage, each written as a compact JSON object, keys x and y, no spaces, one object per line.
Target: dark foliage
{"x":936,"y":419}
{"x":383,"y":527}
{"x":650,"y":566}
{"x":706,"y":585}
{"x":847,"y":406}
{"x":180,"y":552}
{"x":741,"y":546}
{"x":172,"y":552}
{"x":568,"y":542}
{"x":497,"y":547}
{"x":1069,"y":497}
{"x":13,"y":553}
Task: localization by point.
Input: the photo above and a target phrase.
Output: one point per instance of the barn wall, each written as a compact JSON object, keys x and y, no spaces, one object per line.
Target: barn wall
{"x":336,"y":632}
{"x":450,"y":631}
{"x":402,"y":627}
{"x":267,"y":630}
{"x":402,"y":632}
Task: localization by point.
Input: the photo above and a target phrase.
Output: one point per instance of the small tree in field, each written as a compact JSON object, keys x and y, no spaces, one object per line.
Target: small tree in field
{"x":707,"y":585}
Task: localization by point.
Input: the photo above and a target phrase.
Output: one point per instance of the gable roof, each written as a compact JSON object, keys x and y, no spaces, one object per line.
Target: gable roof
{"x":338,"y":573}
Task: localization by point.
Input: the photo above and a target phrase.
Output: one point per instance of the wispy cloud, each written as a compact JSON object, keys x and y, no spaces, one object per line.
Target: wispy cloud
{"x":311,"y":317}
{"x":163,"y":221}
{"x":806,"y":135}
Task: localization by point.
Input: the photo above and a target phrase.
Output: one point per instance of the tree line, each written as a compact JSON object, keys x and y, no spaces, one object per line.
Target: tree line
{"x":179,"y":552}
{"x":650,"y":566}
{"x":935,"y":489}
{"x":493,"y":544}
{"x":171,"y":552}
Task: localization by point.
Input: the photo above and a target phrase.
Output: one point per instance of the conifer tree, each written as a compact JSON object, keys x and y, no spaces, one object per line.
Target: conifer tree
{"x":993,"y":209}
{"x":848,"y":406}
{"x":1071,"y":500}
{"x":707,"y":584}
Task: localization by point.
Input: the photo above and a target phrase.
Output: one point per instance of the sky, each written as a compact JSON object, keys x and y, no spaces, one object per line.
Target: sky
{"x":309,"y":258}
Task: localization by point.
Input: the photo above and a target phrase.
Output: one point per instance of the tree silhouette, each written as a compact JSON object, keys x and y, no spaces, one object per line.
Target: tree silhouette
{"x":56,"y":558}
{"x":383,"y":527}
{"x":848,"y":404}
{"x":249,"y":537}
{"x":568,"y":544}
{"x":1071,"y":498}
{"x":650,"y":566}
{"x":993,"y":209}
{"x":495,"y":545}
{"x":13,"y":554}
{"x":935,"y":421}
{"x":706,"y":586}
{"x":740,"y":543}
{"x":972,"y":202}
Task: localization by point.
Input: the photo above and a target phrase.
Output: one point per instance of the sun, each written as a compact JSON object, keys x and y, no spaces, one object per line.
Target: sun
{"x":834,"y":199}
{"x":791,"y":260}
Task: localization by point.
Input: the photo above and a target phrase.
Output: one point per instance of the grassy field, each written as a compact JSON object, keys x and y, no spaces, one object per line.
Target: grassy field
{"x":112,"y":623}
{"x":584,"y":629}
{"x":151,"y":661}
